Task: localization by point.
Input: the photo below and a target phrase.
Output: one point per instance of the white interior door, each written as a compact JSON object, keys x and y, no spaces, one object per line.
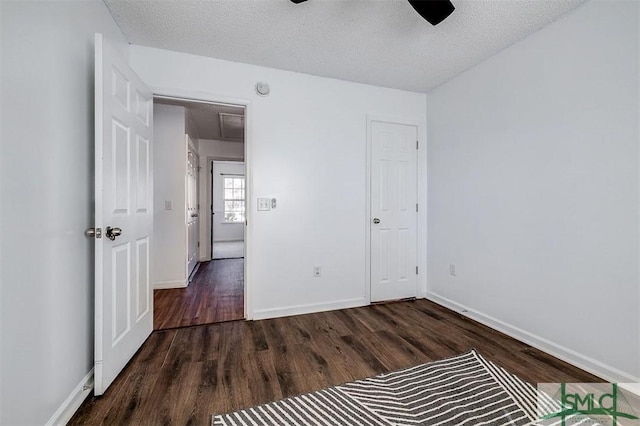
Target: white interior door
{"x":192,"y":207}
{"x":393,"y":211}
{"x":124,"y":206}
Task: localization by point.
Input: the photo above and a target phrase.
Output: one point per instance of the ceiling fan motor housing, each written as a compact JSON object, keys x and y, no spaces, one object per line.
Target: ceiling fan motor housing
{"x":434,"y":11}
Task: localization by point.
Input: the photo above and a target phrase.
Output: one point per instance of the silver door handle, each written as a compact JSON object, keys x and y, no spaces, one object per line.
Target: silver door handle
{"x":112,"y":233}
{"x":376,"y":220}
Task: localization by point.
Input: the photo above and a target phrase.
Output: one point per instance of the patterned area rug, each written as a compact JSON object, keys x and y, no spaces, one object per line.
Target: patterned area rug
{"x":463,"y":390}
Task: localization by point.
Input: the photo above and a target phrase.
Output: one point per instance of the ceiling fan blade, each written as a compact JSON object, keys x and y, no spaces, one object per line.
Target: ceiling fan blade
{"x":434,"y":11}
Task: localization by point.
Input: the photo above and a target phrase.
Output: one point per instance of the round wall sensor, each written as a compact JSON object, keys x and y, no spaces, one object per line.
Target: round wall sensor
{"x":262,"y":89}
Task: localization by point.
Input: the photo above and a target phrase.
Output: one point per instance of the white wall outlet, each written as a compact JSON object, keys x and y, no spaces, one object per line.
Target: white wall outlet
{"x":168,"y":205}
{"x":316,"y":271}
{"x":452,"y":269}
{"x":264,"y":204}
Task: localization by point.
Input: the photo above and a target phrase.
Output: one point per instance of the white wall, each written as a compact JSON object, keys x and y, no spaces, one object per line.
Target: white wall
{"x":533,"y":189}
{"x":223,"y":231}
{"x":209,"y":149}
{"x":306,"y":147}
{"x":46,"y":175}
{"x":169,"y":226}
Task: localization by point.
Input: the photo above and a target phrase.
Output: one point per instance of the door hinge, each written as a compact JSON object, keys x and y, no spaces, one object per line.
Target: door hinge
{"x":417,"y":144}
{"x":198,"y":243}
{"x":416,"y":206}
{"x":416,"y":270}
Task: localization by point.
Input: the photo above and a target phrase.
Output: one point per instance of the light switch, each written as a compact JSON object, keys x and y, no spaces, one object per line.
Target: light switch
{"x":264,"y":204}
{"x":168,"y":205}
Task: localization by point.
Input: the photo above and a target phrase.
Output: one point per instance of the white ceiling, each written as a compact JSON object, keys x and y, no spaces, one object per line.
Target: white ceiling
{"x":380,"y":42}
{"x":205,"y":117}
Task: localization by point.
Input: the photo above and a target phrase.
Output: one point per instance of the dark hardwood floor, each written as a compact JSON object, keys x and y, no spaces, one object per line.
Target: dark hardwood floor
{"x":216,"y":294}
{"x":182,"y":376}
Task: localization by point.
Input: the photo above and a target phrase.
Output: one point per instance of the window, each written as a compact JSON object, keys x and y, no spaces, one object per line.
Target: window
{"x":234,"y":199}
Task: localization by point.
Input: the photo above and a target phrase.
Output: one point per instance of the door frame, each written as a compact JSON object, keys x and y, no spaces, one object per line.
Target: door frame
{"x":421,"y":197}
{"x":209,"y":200}
{"x":188,"y":95}
{"x":210,"y":161}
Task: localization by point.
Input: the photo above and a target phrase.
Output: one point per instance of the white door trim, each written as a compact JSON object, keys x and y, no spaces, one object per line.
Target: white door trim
{"x":248,"y":159}
{"x":421,"y":182}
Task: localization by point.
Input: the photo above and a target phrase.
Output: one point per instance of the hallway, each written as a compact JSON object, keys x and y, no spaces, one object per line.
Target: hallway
{"x":216,"y":294}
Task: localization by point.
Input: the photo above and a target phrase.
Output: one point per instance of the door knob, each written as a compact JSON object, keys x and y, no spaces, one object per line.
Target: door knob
{"x":376,"y":220}
{"x":194,"y":214}
{"x":112,"y":233}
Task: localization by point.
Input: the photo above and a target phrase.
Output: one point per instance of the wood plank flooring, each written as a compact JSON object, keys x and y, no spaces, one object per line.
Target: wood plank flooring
{"x":216,"y":294}
{"x":182,"y":376}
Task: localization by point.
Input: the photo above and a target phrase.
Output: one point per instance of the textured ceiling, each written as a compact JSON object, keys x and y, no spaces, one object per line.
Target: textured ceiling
{"x":380,"y":42}
{"x":205,"y":117}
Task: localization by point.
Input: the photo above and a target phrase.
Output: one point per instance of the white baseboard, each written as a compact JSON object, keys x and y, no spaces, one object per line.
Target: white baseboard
{"x":595,"y":367}
{"x":259,"y":314}
{"x":75,"y":399}
{"x":159,"y":285}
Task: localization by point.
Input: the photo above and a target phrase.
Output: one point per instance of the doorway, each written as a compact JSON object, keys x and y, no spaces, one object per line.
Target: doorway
{"x":208,"y":289}
{"x":228,"y":206}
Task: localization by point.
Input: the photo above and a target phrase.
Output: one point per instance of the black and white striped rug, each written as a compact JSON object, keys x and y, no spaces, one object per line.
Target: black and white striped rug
{"x":463,"y":390}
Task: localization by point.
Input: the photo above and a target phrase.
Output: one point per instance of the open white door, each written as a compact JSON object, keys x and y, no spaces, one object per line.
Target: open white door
{"x":394,"y":214}
{"x":123,"y":213}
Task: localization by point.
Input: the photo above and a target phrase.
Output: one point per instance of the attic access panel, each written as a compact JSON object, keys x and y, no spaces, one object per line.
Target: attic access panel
{"x":231,"y":126}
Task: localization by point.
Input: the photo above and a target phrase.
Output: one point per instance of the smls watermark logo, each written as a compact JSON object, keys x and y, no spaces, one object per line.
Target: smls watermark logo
{"x":587,"y":404}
